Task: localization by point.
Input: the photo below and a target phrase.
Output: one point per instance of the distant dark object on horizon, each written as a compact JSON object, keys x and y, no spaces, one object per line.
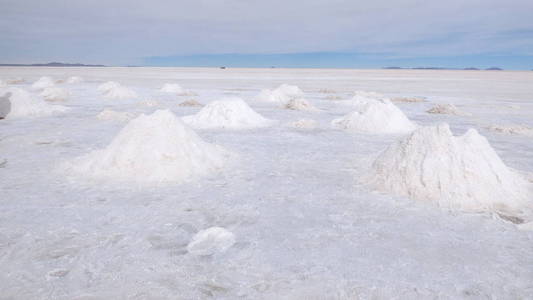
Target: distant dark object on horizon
{"x":493,"y":69}
{"x":223,"y":68}
{"x":471,"y":69}
{"x":393,"y":68}
{"x":52,"y":64}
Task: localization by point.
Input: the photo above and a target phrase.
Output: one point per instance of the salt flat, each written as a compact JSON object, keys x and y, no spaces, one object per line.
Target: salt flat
{"x":304,"y":225}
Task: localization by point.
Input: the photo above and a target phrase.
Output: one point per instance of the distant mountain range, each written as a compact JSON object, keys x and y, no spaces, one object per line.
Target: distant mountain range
{"x":52,"y":64}
{"x":438,"y":68}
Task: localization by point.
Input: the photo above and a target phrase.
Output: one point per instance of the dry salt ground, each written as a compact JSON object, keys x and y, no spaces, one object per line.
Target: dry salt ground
{"x":293,"y":217}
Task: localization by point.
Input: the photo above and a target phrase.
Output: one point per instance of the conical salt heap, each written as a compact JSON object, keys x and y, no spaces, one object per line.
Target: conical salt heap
{"x":153,"y":148}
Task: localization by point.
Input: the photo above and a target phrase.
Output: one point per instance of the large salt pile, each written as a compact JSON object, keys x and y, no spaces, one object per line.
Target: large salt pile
{"x":373,"y":116}
{"x":174,"y":88}
{"x":54,"y":94}
{"x":22,"y":104}
{"x":154,"y":148}
{"x":455,"y":172}
{"x":448,"y":109}
{"x":229,"y":113}
{"x":280,"y":95}
{"x":43,"y":83}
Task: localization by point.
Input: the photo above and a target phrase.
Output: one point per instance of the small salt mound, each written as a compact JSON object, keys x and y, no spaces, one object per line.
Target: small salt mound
{"x":54,"y":94}
{"x":372,"y":116}
{"x":362,"y":98}
{"x":120,"y":92}
{"x":327,"y":91}
{"x":408,"y":99}
{"x":280,"y":95}
{"x":304,"y":124}
{"x":15,"y":81}
{"x":211,"y":241}
{"x":5,"y":105}
{"x":22,"y":104}
{"x":229,"y":113}
{"x":156,"y":148}
{"x":111,"y":115}
{"x":300,"y":104}
{"x":175,"y":88}
{"x":74,"y":79}
{"x":105,"y":87}
{"x":448,"y":109}
{"x":190,"y":103}
{"x":458,"y":173}
{"x":43,"y":83}
{"x":512,"y":129}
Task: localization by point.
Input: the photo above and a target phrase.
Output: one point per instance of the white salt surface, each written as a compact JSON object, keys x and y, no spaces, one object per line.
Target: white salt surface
{"x":229,"y":113}
{"x":375,"y":116}
{"x":107,"y":86}
{"x":176,"y":89}
{"x":74,"y":80}
{"x":455,"y":172}
{"x":120,"y":92}
{"x":111,"y":115}
{"x":304,"y":228}
{"x":154,"y":148}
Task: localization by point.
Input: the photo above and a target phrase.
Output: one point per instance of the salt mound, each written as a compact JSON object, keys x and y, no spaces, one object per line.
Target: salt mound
{"x":300,"y":104}
{"x":43,"y":83}
{"x":175,"y":88}
{"x":15,"y":81}
{"x":210,"y":241}
{"x":280,"y":95}
{"x":448,"y":109}
{"x":408,"y":99}
{"x":362,"y":98}
{"x":512,"y":129}
{"x":153,"y":148}
{"x":326,"y":91}
{"x":55,"y":94}
{"x":190,"y":103}
{"x":22,"y":104}
{"x":74,"y":79}
{"x":229,"y":113}
{"x":458,"y":173}
{"x":120,"y":92}
{"x":105,"y":87}
{"x":5,"y":105}
{"x":304,"y":124}
{"x":372,"y":116}
{"x":111,"y":115}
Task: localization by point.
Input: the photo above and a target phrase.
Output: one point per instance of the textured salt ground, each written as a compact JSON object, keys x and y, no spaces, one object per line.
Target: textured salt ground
{"x":302,"y":226}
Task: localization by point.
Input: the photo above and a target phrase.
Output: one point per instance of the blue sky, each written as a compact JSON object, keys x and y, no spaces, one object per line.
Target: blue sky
{"x":251,"y":33}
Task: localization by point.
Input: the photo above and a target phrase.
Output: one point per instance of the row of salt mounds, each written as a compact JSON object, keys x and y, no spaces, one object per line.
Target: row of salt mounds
{"x":447,"y":109}
{"x":281,"y":95}
{"x":55,"y":94}
{"x":456,"y":172}
{"x":111,"y":115}
{"x":300,"y":104}
{"x":156,"y":148}
{"x":375,"y":116}
{"x":42,"y":83}
{"x":228,"y":113}
{"x":174,"y":88}
{"x":114,"y":90}
{"x":512,"y":129}
{"x":22,"y":104}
